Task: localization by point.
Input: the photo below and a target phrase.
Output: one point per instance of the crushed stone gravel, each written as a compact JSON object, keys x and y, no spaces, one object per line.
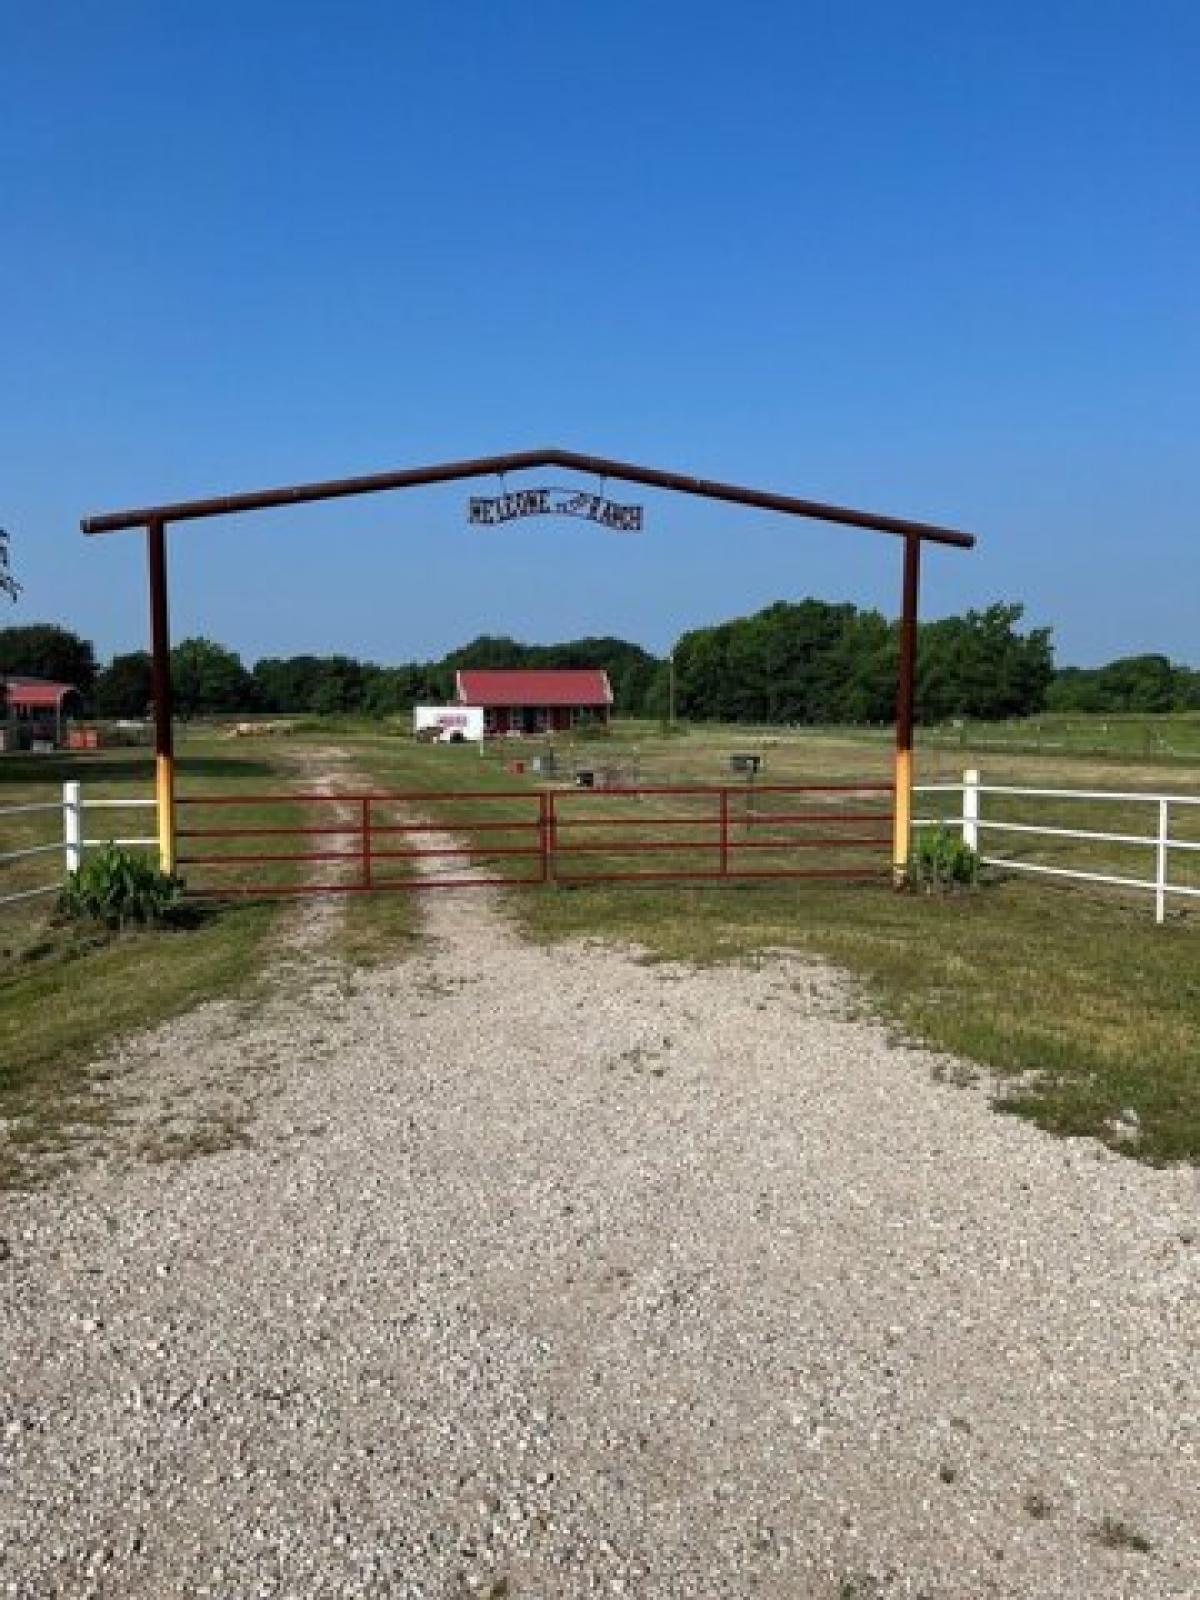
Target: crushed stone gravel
{"x":553,"y":1272}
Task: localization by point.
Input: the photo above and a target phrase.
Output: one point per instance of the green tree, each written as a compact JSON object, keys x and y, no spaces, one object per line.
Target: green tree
{"x":657,"y":700}
{"x":125,"y":687}
{"x":1147,"y":683}
{"x":981,"y":665}
{"x":488,"y":650}
{"x":1187,"y":689}
{"x":392,"y":689}
{"x":1075,"y":689}
{"x":46,"y":650}
{"x":701,"y":673}
{"x":209,"y":677}
{"x":1139,"y":683}
{"x":286,"y":683}
{"x":339,"y":686}
{"x":814,"y":662}
{"x":320,"y":684}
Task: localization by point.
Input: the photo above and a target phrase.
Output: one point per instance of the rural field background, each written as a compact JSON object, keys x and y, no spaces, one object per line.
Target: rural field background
{"x":1070,"y":994}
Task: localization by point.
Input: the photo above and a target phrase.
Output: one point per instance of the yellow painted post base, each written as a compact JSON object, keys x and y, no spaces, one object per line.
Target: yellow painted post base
{"x":164,"y":794}
{"x":902,"y":824}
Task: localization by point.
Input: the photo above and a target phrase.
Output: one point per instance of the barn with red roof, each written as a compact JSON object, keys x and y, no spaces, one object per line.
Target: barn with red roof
{"x":532,"y":700}
{"x":37,"y":706}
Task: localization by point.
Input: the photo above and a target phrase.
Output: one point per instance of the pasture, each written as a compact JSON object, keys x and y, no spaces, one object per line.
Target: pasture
{"x":1069,"y":994}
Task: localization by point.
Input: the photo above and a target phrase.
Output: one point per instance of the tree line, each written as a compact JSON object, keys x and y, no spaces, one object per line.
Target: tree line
{"x":808,"y":662}
{"x":1134,"y":683}
{"x":814,"y":662}
{"x":209,"y":677}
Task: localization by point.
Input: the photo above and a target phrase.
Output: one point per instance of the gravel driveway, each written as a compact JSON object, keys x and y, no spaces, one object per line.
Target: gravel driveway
{"x":553,"y":1273}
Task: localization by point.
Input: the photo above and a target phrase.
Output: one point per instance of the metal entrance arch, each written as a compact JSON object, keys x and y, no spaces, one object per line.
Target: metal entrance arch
{"x":155,"y":520}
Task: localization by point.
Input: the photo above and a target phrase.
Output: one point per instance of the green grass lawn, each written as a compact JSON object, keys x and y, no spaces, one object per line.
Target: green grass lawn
{"x":1168,"y":738}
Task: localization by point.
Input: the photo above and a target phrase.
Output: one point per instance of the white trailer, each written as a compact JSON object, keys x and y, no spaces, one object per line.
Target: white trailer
{"x":449,"y":724}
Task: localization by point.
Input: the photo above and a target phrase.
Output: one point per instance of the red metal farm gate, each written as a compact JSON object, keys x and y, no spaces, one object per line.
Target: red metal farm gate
{"x":365,"y":842}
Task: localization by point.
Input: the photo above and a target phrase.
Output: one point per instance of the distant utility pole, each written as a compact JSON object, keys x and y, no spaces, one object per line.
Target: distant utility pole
{"x":671,"y":692}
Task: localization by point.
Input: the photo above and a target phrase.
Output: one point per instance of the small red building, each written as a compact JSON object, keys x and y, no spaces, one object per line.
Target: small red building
{"x":38,"y":707}
{"x":530,"y":700}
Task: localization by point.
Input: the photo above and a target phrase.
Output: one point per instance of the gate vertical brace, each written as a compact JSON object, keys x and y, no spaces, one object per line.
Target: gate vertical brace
{"x":366,"y":841}
{"x":905,"y":706}
{"x":546,"y":833}
{"x":160,"y":654}
{"x":724,"y":815}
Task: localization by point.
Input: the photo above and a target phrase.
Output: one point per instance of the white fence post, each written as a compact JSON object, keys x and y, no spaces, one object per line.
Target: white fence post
{"x":72,"y":826}
{"x":1160,"y":867}
{"x":970,"y":811}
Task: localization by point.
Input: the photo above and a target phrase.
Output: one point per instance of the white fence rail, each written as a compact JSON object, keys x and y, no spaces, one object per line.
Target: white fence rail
{"x":72,"y":841}
{"x":77,"y":834}
{"x":1164,"y":809}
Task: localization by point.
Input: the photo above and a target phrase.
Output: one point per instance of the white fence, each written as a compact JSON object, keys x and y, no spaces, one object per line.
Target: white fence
{"x":971,"y":820}
{"x":969,"y":816}
{"x":73,"y":837}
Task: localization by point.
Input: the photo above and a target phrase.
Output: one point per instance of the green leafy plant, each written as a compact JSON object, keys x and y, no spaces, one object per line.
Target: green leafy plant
{"x":119,"y":889}
{"x":941,"y":861}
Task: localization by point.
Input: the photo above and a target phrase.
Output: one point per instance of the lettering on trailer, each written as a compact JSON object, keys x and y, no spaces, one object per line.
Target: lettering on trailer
{"x":489,"y":510}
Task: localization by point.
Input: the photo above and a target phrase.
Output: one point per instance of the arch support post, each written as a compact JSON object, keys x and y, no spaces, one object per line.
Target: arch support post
{"x":905,"y":710}
{"x":160,"y":657}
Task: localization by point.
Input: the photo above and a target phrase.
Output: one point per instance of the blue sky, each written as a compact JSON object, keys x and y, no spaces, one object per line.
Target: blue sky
{"x":935,"y":259}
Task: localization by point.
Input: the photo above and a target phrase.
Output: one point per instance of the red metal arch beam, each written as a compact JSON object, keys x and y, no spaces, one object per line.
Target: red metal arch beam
{"x":518,"y":461}
{"x":154,"y":519}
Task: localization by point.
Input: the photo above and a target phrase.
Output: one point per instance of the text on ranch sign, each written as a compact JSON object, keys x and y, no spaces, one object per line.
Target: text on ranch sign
{"x":491,"y":509}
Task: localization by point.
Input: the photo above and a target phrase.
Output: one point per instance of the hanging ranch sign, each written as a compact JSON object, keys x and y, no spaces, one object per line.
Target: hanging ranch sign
{"x":8,"y":584}
{"x":489,"y":510}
